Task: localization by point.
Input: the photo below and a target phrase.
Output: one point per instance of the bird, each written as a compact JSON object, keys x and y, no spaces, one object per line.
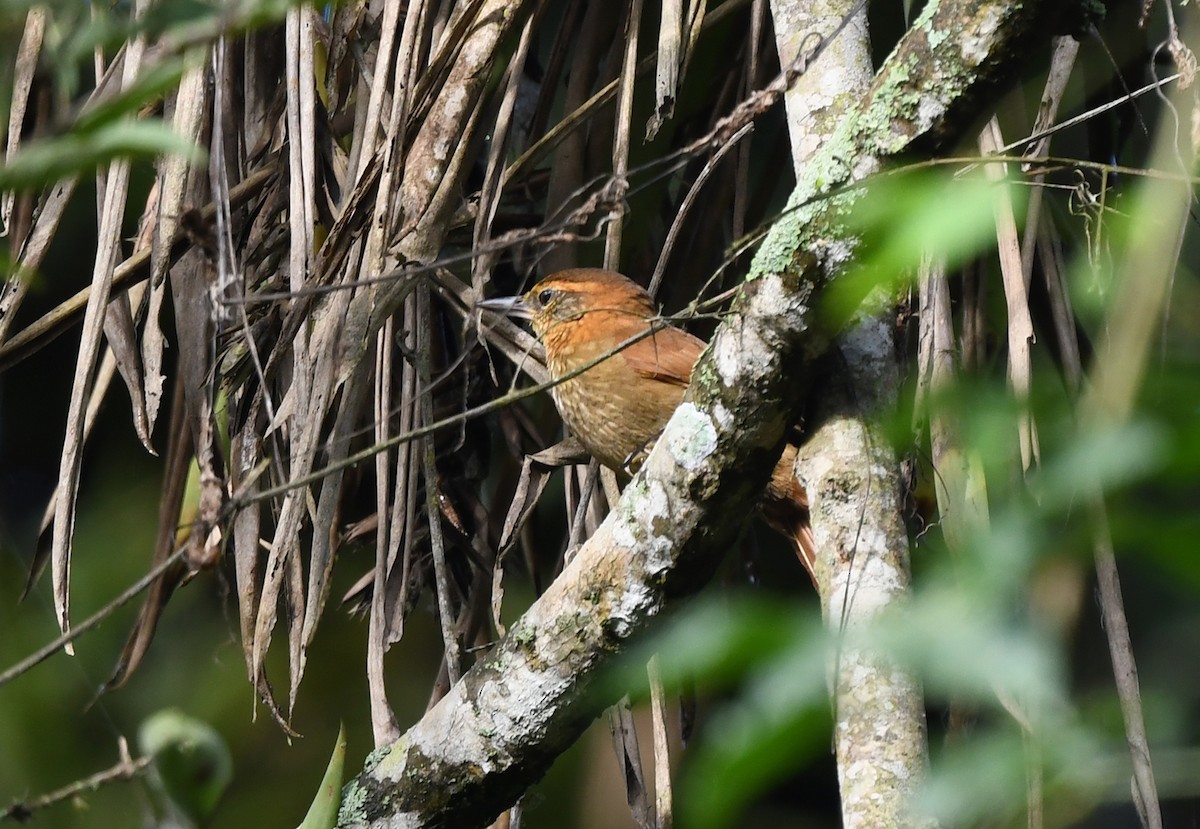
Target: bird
{"x":617,"y":407}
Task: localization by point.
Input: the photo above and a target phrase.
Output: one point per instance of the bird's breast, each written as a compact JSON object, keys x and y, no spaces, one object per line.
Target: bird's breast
{"x":613,"y":411}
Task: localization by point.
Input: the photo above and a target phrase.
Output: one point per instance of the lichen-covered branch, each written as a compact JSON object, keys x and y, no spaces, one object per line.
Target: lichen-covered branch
{"x":497,"y":731}
{"x":854,"y":487}
{"x":848,"y":467}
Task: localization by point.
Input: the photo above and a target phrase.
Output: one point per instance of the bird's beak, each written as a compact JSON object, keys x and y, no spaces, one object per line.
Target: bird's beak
{"x":509,"y":306}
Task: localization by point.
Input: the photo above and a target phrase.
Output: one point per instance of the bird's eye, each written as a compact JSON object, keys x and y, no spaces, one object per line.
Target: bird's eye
{"x":545,"y":296}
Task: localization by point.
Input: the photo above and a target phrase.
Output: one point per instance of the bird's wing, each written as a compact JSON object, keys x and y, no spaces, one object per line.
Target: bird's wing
{"x":668,"y":355}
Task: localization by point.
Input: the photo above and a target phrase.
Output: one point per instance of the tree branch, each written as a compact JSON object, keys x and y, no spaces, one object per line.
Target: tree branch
{"x":849,"y":469}
{"x":498,"y":730}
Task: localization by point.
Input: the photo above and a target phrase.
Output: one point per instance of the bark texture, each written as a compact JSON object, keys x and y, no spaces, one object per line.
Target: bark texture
{"x":851,"y":473}
{"x":831,"y":84}
{"x":855,"y":492}
{"x":497,"y":731}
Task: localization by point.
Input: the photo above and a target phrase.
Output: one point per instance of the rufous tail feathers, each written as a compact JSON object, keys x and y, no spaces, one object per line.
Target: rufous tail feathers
{"x":785,"y":507}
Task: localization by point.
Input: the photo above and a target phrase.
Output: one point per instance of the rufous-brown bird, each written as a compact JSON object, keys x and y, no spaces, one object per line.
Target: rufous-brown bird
{"x":619,"y":406}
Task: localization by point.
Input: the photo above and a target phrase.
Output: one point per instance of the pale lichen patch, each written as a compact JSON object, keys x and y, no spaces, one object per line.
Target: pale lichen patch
{"x":456,"y":99}
{"x":976,"y":47}
{"x":722,"y":416}
{"x":728,"y":358}
{"x":775,"y":297}
{"x":873,"y":583}
{"x":690,"y":437}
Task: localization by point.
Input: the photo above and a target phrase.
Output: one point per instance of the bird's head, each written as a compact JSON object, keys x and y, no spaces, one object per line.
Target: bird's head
{"x":569,"y":295}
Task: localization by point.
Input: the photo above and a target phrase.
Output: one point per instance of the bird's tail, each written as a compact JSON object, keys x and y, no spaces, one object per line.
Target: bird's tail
{"x":785,"y":507}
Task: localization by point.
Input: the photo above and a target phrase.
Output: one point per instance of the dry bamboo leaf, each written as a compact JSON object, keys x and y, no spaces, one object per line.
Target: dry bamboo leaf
{"x":294,"y":607}
{"x":663,"y":809}
{"x":1061,"y":63}
{"x":120,"y":332}
{"x":1020,"y":322}
{"x":567,"y":170}
{"x":403,"y":524}
{"x":1040,"y":234}
{"x":262,"y":95}
{"x":194,"y":321}
{"x":1116,"y":628}
{"x":366,"y":133}
{"x":1148,"y":271}
{"x":578,"y":115}
{"x":959,"y":480}
{"x":670,"y":59}
{"x":148,"y":221}
{"x":305,"y":436}
{"x":195,"y":324}
{"x":344,"y":325}
{"x":191,"y":101}
{"x":535,"y":474}
{"x":694,"y":25}
{"x":384,"y":726}
{"x":321,"y":555}
{"x":741,"y":185}
{"x":452,"y":652}
{"x":448,"y":56}
{"x":41,"y":554}
{"x":625,"y":743}
{"x":284,"y":545}
{"x":282,"y":561}
{"x":153,"y":343}
{"x":50,"y":325}
{"x":497,"y":603}
{"x":301,"y":124}
{"x":402,"y":592}
{"x":974,"y":329}
{"x":301,"y":121}
{"x":174,"y":487}
{"x":489,"y":194}
{"x":81,"y":385}
{"x":246,"y":533}
{"x":374,"y":258}
{"x":28,"y":51}
{"x":138,"y":641}
{"x":517,"y":344}
{"x":620,"y":151}
{"x":928,"y":272}
{"x":13,"y":291}
{"x":1055,"y":271}
{"x":586,"y":505}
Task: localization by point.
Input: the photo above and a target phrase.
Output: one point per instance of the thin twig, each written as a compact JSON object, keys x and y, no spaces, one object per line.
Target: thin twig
{"x":686,"y":205}
{"x":436,"y":541}
{"x":93,"y":621}
{"x":125,"y":768}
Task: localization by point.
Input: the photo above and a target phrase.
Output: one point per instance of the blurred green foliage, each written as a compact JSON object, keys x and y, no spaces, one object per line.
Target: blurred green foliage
{"x":981,"y":627}
{"x":191,"y":765}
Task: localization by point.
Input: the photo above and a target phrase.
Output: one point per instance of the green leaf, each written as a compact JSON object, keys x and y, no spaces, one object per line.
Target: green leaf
{"x":1102,"y":458}
{"x":150,"y":85}
{"x":322,"y":814}
{"x":714,"y":642}
{"x":192,"y":762}
{"x":982,"y":781}
{"x":41,"y":163}
{"x":772,"y":729}
{"x":905,"y":216}
{"x":968,"y":645}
